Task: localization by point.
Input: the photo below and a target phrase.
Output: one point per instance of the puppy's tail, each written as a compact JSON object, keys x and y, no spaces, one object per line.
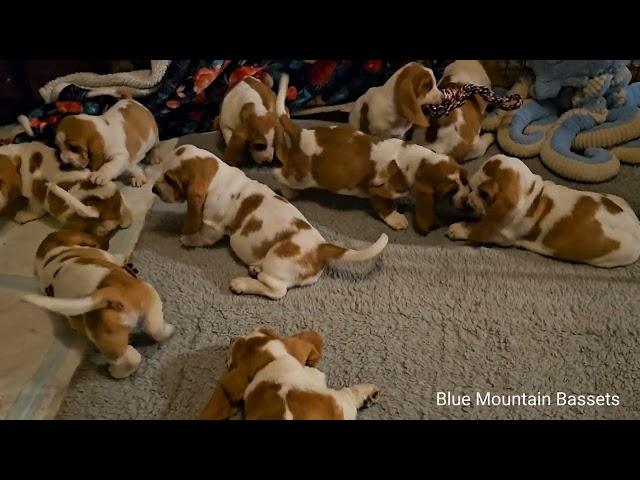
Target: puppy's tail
{"x":329,"y":252}
{"x":107,"y":296}
{"x":283,"y":86}
{"x":79,"y":207}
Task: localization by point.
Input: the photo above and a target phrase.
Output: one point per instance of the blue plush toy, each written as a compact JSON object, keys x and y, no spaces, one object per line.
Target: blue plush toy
{"x":581,"y":117}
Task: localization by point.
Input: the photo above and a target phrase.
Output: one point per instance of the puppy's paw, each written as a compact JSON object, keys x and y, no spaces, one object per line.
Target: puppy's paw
{"x":190,"y":241}
{"x":167,"y":331}
{"x":138,"y":180}
{"x":368,"y":393}
{"x":238,"y":286}
{"x":396,"y":220}
{"x":98,"y":178}
{"x":24,"y":216}
{"x":458,"y":231}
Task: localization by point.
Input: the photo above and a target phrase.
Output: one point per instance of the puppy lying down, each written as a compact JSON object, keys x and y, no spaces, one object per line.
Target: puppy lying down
{"x":518,"y":208}
{"x":276,"y":379}
{"x":266,"y":232}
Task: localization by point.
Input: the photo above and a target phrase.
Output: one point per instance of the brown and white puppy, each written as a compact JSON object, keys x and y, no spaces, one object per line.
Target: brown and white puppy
{"x":88,"y":285}
{"x":266,"y":232}
{"x":458,"y":134}
{"x":109,"y":144}
{"x":276,"y":379}
{"x":390,"y":110}
{"x":517,"y":208}
{"x":349,"y":162}
{"x":248,"y":120}
{"x":32,"y":171}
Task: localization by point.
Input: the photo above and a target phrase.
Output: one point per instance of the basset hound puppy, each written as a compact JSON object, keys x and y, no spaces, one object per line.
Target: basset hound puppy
{"x":275,"y":378}
{"x":458,"y":134}
{"x":266,"y":232}
{"x":109,"y":144}
{"x":390,"y":110}
{"x":84,"y":282}
{"x":248,"y":120}
{"x":349,"y":162}
{"x":517,"y":208}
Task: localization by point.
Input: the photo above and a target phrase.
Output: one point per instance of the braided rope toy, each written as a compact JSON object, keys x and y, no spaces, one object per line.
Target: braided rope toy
{"x":456,"y":97}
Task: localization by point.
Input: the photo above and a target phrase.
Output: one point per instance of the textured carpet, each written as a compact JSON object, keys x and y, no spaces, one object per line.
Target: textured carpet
{"x":429,"y":315}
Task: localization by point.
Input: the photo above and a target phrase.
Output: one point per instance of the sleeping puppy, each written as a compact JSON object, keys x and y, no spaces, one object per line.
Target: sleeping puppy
{"x":349,"y":162}
{"x":266,"y":232}
{"x":109,"y":144}
{"x":390,"y":110}
{"x":248,"y":120}
{"x":101,"y":299}
{"x":458,"y":134}
{"x":517,"y":208}
{"x":33,"y":171}
{"x":276,"y":379}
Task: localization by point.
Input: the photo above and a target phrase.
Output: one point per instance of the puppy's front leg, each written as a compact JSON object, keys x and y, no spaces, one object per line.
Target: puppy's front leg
{"x":386,"y":210}
{"x":483,"y":231}
{"x":109,"y":170}
{"x":33,"y":211}
{"x":138,"y":178}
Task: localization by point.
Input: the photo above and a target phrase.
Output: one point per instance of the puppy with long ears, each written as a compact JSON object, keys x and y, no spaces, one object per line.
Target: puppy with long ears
{"x":88,"y":285}
{"x":33,"y":171}
{"x":266,"y":232}
{"x":518,"y":208}
{"x":390,"y":110}
{"x":109,"y":144}
{"x":276,"y":379}
{"x":458,"y":134}
{"x":349,"y":162}
{"x":248,"y":120}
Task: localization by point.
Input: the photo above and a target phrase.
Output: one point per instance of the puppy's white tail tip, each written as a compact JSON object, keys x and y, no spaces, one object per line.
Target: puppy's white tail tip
{"x":281,"y":98}
{"x":79,"y":207}
{"x":371,"y":251}
{"x":65,"y":306}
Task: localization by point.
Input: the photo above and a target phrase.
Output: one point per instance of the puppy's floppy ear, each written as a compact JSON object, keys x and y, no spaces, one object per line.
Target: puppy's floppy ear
{"x":236,"y":150}
{"x":411,"y":84}
{"x":196,"y":196}
{"x":306,"y":346}
{"x":488,"y":190}
{"x":247,"y":110}
{"x":95,"y":152}
{"x":425,"y":210}
{"x":227,"y":394}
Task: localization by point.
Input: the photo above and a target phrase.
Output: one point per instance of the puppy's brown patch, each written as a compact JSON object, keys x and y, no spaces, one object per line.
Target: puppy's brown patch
{"x":267,"y":95}
{"x":248,"y":206}
{"x":611,"y":206}
{"x":260,"y":251}
{"x":306,"y":405}
{"x":253,"y":225}
{"x":139,"y":124}
{"x":180,"y":150}
{"x":287,"y":249}
{"x":539,"y":209}
{"x":301,"y":224}
{"x":35,"y":162}
{"x":265,"y":403}
{"x":364,"y":118}
{"x":579,"y":236}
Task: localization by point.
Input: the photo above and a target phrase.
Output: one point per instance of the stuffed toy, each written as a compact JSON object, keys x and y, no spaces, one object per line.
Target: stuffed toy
{"x":580,"y":116}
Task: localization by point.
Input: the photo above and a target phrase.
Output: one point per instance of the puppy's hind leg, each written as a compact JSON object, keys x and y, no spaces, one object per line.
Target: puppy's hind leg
{"x":264,"y":285}
{"x":111,"y":337}
{"x":284,"y":186}
{"x":153,"y":322}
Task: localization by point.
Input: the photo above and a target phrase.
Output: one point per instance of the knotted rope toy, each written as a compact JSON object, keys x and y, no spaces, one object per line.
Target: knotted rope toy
{"x":456,"y":97}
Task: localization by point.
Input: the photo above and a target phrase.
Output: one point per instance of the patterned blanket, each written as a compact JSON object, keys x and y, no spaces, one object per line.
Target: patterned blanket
{"x":188,"y":98}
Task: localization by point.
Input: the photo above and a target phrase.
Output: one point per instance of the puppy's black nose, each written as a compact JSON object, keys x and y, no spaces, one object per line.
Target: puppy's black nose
{"x":154,"y":189}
